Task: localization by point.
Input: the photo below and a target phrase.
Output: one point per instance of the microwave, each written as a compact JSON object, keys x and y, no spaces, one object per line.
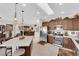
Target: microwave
{"x":59,"y":27}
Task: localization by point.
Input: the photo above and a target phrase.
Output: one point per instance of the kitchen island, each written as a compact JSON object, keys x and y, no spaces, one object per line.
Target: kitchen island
{"x":22,"y":43}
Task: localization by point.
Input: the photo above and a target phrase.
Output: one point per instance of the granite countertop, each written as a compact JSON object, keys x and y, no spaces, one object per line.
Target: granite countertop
{"x":16,"y":42}
{"x":50,"y":34}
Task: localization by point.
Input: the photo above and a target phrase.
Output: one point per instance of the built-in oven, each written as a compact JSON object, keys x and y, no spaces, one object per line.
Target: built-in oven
{"x":58,"y":35}
{"x":58,"y":39}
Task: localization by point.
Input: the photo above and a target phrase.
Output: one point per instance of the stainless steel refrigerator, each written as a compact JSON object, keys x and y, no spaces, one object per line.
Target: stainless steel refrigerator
{"x":43,"y":33}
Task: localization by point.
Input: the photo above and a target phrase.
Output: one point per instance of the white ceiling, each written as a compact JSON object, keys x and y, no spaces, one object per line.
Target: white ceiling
{"x":34,"y":12}
{"x":46,"y":8}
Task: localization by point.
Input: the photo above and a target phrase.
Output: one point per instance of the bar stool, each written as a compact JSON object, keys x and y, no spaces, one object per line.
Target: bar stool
{"x":2,"y":51}
{"x":19,"y":52}
{"x":8,"y":51}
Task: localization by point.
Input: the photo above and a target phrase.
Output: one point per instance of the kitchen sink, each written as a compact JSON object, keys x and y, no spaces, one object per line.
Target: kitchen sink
{"x":77,"y":41}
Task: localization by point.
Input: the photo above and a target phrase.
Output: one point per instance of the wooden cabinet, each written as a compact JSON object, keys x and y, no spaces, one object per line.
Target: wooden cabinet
{"x":45,"y":23}
{"x":69,"y":24}
{"x":66,"y":52}
{"x":28,"y":49}
{"x":66,"y":23}
{"x":65,"y":42}
{"x":52,"y":24}
{"x":50,"y":38}
{"x":75,"y":24}
{"x":68,"y":43}
{"x":68,"y":49}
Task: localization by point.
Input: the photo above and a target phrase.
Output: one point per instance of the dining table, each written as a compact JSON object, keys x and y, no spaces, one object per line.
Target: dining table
{"x":17,"y":43}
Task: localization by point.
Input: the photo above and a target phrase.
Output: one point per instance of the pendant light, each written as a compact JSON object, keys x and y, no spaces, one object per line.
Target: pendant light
{"x":22,"y":22}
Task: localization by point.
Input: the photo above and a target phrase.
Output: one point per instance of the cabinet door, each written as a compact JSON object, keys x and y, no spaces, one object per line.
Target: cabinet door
{"x":75,"y":24}
{"x":69,"y":24}
{"x":45,"y":24}
{"x":78,"y":24}
{"x":50,"y":39}
{"x":65,"y":43}
{"x":68,"y":43}
{"x":65,"y":24}
{"x":73,"y":47}
{"x":51,"y":25}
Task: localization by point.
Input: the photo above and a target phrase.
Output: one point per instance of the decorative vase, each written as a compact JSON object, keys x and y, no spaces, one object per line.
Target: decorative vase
{"x":21,"y":37}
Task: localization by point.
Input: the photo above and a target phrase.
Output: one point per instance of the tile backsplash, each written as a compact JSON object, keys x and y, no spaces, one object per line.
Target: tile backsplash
{"x":73,"y":33}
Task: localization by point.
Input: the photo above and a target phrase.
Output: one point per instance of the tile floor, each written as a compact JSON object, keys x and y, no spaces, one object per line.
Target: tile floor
{"x":44,"y":50}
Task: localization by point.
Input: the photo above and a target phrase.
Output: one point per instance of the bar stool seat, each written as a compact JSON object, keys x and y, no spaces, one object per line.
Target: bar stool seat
{"x":2,"y":51}
{"x":19,"y":52}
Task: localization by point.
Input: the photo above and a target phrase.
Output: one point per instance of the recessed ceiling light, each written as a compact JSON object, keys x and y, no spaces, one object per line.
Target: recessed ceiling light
{"x":37,"y":21}
{"x":45,"y":17}
{"x":62,"y":12}
{"x":24,"y":4}
{"x":15,"y":19}
{"x":60,"y":4}
{"x":38,"y":12}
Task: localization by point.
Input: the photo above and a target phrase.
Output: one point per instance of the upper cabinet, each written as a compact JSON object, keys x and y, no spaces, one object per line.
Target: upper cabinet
{"x":68,"y":23}
{"x":75,"y":24}
{"x":45,"y":24}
